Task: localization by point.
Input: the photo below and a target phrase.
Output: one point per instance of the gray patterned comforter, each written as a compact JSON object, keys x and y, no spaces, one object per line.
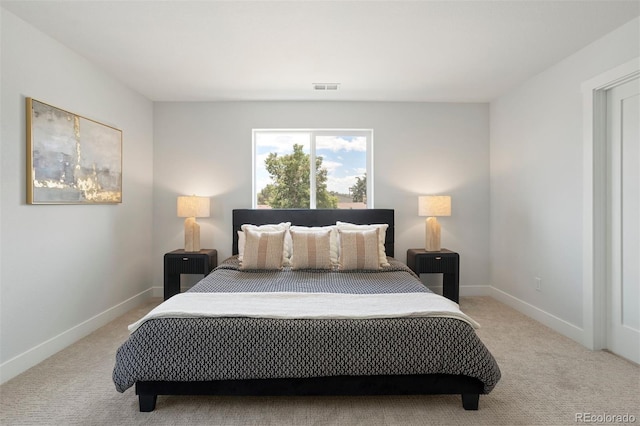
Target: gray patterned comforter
{"x":201,"y":349}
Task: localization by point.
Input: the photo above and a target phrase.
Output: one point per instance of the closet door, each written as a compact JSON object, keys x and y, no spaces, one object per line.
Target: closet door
{"x":623,"y":265}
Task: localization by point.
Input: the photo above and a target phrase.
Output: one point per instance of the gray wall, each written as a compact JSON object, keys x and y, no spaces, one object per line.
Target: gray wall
{"x":66,"y":270}
{"x":419,"y":148}
{"x":538,"y":181}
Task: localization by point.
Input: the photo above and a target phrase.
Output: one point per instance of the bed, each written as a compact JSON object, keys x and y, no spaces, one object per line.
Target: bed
{"x":296,"y":350}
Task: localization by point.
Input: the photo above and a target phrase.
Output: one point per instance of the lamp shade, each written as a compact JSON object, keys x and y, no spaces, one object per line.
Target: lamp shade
{"x":434,"y":205}
{"x":192,"y":206}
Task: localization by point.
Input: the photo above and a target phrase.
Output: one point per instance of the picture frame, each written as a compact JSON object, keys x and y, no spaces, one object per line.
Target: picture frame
{"x":71,"y":159}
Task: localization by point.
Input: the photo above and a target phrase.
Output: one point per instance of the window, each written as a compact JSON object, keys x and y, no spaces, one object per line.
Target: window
{"x":283,"y":176}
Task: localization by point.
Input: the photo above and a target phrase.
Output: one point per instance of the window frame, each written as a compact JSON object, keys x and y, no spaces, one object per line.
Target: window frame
{"x":313,"y":134}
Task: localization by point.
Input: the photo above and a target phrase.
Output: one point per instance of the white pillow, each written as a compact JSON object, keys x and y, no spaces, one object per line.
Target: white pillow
{"x":284,"y":226}
{"x":333,"y":238}
{"x":263,"y":250}
{"x":382,"y":235}
{"x":359,"y":250}
{"x":311,"y":250}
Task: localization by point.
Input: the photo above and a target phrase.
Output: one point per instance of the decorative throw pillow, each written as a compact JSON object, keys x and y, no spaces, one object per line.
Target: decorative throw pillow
{"x":263,"y":250}
{"x":346,"y":226}
{"x":359,"y":249}
{"x":333,"y":238}
{"x":311,"y":250}
{"x":268,"y":228}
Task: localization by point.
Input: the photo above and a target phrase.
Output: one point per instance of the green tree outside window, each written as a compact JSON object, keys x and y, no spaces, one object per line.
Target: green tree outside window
{"x":290,"y":187}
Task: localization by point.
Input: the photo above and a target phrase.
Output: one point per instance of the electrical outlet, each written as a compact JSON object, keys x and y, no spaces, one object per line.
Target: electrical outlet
{"x":538,"y":282}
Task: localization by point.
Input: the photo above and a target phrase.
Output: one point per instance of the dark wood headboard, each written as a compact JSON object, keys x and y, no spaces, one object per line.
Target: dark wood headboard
{"x":317,"y":217}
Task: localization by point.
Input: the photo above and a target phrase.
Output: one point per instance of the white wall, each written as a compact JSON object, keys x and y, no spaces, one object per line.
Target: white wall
{"x":537,"y":184}
{"x":419,"y":148}
{"x":67,"y":269}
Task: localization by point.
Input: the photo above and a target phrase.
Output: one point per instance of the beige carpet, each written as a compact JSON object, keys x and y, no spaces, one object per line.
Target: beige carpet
{"x":547,"y":379}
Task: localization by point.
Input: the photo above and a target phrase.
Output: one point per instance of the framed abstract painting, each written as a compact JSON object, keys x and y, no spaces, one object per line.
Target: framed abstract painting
{"x":71,"y":159}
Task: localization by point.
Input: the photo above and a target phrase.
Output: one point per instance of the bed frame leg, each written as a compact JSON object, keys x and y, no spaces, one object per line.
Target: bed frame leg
{"x":147,"y":402}
{"x":470,"y":401}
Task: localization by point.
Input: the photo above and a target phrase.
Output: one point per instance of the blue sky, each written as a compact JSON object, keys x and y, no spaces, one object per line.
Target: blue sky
{"x":344,"y":157}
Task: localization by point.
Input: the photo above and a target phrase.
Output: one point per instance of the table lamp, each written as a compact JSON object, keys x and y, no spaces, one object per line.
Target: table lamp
{"x":192,"y":207}
{"x":432,"y":206}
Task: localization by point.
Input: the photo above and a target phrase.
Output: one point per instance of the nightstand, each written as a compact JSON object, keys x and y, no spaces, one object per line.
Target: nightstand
{"x":445,"y":262}
{"x":186,"y":262}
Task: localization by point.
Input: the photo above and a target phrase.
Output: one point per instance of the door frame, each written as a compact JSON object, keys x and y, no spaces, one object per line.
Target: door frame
{"x":595,"y":246}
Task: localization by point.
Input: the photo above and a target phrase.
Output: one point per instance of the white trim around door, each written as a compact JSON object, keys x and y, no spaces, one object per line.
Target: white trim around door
{"x":594,"y":199}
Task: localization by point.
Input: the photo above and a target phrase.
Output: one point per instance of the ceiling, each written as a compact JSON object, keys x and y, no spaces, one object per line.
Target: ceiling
{"x":444,"y":51}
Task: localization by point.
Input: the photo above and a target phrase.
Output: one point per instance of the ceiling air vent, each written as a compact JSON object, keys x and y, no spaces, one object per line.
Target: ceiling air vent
{"x":326,"y":86}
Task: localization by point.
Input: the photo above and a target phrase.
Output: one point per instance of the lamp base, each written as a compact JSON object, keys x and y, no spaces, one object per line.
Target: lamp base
{"x":432,"y":234}
{"x":191,"y":234}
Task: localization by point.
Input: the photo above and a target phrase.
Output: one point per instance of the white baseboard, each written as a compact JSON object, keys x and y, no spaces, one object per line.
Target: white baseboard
{"x":39,"y":353}
{"x":21,"y":363}
{"x":553,"y":322}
